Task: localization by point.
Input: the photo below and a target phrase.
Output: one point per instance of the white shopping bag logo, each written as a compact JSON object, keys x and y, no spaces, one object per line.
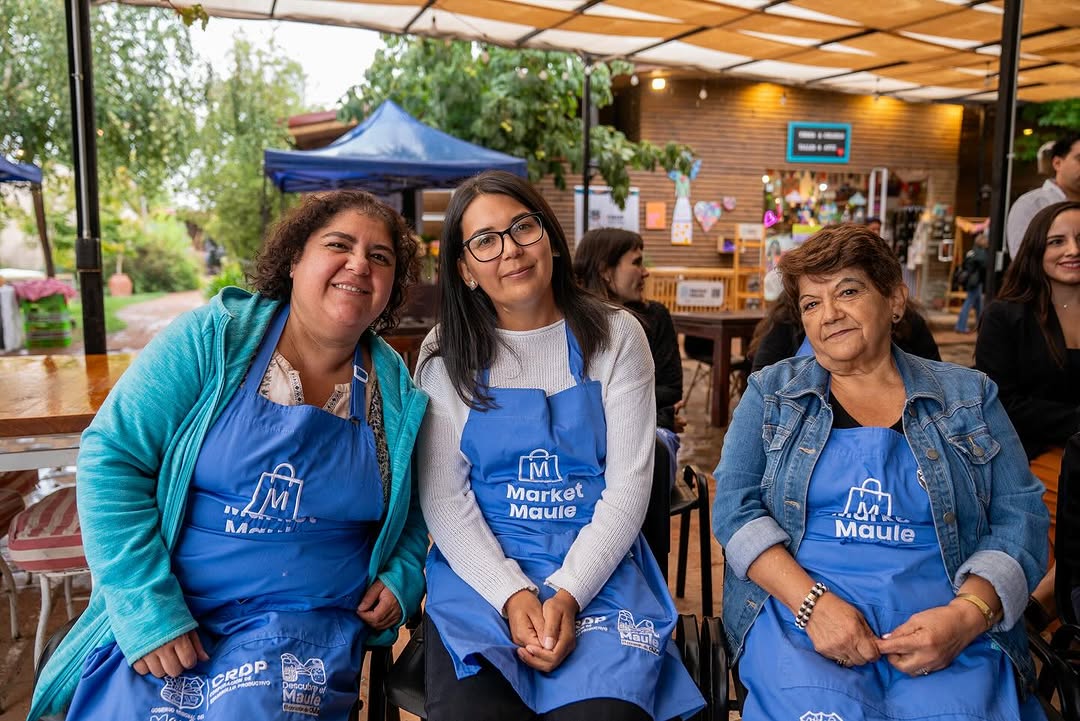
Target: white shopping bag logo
{"x":539,"y":466}
{"x":865,"y":502}
{"x":277,"y":495}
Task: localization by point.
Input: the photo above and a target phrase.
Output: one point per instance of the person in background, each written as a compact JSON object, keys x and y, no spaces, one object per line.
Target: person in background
{"x":1064,"y":185}
{"x":1029,"y":344}
{"x":873,"y":224}
{"x":245,"y":491}
{"x":880,"y":527}
{"x":536,"y":462}
{"x":609,"y":263}
{"x":972,"y":276}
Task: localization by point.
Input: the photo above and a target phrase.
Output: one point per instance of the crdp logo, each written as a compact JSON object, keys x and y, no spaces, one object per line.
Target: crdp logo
{"x":539,"y":466}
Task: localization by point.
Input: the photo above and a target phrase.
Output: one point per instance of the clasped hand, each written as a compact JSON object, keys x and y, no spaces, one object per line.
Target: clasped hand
{"x":544,"y":632}
{"x":928,"y":641}
{"x":378,"y":608}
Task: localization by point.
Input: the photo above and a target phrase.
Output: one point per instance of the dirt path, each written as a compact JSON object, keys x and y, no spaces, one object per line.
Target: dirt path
{"x":145,"y":320}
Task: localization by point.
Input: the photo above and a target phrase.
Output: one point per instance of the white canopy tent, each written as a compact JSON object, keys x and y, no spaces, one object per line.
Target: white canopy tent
{"x":913,"y":49}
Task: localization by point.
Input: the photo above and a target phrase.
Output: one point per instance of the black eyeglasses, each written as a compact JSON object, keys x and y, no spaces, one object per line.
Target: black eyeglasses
{"x":488,"y":245}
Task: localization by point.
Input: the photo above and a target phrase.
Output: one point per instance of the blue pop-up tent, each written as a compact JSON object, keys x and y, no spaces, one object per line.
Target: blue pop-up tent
{"x":11,"y":172}
{"x":15,"y":172}
{"x":390,"y":151}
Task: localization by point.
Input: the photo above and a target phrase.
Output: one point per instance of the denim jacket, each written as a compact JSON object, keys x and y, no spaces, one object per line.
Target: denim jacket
{"x":987,"y":506}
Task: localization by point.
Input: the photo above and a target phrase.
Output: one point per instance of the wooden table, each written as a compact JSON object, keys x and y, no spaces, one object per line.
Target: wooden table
{"x":722,"y":327}
{"x":407,"y":338}
{"x":46,"y":402}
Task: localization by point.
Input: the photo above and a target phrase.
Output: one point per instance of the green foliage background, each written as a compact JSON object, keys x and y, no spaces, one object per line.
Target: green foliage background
{"x":522,"y":102}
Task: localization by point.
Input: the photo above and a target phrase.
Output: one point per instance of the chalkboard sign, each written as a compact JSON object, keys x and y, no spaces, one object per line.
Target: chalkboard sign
{"x":818,"y":142}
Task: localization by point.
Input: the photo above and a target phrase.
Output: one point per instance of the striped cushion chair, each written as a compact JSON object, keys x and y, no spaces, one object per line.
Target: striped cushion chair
{"x":11,"y":502}
{"x":45,"y":539}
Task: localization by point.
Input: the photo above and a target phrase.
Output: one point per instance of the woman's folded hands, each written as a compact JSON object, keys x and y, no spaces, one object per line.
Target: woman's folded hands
{"x":544,"y":632}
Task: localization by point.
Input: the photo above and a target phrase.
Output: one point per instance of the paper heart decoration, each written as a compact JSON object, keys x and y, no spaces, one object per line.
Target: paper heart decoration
{"x":770,"y":219}
{"x":707,"y":213}
{"x":729,"y":203}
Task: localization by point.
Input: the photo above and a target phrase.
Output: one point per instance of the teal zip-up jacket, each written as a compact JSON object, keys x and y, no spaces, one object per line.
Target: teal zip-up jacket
{"x":135,"y":466}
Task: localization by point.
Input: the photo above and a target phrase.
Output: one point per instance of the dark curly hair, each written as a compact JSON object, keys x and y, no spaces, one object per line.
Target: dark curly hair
{"x":286,"y":240}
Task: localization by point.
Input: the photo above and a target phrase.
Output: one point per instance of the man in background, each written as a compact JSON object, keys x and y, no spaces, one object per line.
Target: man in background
{"x":1064,"y":185}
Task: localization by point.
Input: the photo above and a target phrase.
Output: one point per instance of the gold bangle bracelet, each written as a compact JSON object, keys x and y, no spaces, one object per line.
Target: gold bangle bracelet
{"x":980,"y":604}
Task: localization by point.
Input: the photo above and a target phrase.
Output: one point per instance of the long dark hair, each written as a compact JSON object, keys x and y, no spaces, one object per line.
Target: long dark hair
{"x":598,"y":251}
{"x":286,"y":240}
{"x":466,"y":340}
{"x":1026,"y":282}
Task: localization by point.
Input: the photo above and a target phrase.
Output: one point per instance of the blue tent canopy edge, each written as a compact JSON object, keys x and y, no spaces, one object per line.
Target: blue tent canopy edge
{"x":390,"y":151}
{"x":16,"y":172}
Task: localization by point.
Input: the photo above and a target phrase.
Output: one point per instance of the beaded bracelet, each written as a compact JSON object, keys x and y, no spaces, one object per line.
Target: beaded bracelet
{"x":803,"y":616}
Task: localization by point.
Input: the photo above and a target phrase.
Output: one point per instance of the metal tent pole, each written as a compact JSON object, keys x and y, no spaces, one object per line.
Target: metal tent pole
{"x":84,"y":150}
{"x":586,"y":145}
{"x":1004,"y":121}
{"x":43,"y":229}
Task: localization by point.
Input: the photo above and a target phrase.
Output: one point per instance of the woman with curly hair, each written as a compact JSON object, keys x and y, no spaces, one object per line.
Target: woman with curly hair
{"x":245,"y":495}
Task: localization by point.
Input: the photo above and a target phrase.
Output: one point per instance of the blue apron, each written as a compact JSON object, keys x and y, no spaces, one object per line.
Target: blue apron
{"x":273,"y":559}
{"x":870,"y":538}
{"x":537,"y":471}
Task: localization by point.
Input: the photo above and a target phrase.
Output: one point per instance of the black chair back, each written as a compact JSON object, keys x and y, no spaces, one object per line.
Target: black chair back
{"x":1067,"y":540}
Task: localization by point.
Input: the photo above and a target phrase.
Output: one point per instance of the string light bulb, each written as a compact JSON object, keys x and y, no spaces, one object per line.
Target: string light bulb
{"x":659,"y":83}
{"x":783,"y":97}
{"x":703,"y":93}
{"x":634,"y":80}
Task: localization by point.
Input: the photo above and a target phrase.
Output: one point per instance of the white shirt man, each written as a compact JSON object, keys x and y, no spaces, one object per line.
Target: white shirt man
{"x":1065,"y":185}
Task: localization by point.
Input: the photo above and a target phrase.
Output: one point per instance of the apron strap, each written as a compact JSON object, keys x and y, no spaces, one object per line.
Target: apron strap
{"x":257,"y":371}
{"x":577,"y":360}
{"x":358,"y":392}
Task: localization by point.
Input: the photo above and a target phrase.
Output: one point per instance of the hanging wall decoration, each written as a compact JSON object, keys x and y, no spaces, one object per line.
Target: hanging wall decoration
{"x":728,"y":202}
{"x":682,"y":219}
{"x":655,"y":215}
{"x":707,"y":213}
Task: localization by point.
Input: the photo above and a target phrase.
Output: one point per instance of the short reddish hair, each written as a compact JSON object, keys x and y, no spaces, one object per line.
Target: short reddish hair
{"x":842,"y":246}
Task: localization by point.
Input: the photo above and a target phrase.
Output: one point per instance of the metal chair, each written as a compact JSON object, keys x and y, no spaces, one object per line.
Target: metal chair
{"x":46,"y":539}
{"x":686,"y":497}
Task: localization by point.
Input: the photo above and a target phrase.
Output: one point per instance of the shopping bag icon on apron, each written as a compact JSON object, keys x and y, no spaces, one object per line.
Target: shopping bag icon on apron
{"x":277,"y":495}
{"x":539,"y":466}
{"x":868,"y":501}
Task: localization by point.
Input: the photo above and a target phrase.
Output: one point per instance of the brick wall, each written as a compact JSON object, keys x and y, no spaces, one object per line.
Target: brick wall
{"x":740,"y":131}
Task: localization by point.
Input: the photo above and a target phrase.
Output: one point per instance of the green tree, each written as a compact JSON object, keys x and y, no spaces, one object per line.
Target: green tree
{"x":147,"y":89}
{"x":247,"y":113}
{"x":1048,"y":121}
{"x":522,"y":102}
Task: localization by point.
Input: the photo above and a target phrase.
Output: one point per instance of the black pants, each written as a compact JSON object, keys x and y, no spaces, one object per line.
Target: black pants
{"x":489,"y":696}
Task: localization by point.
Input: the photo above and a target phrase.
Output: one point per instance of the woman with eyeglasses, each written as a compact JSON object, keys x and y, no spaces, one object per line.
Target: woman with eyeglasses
{"x":535,"y":464}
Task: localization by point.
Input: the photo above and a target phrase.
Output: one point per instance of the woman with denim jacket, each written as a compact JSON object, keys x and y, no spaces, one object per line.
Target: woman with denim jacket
{"x":882,"y":530}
